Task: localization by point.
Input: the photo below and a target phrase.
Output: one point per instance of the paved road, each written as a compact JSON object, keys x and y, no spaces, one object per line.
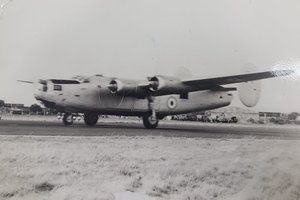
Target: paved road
{"x":134,"y":128}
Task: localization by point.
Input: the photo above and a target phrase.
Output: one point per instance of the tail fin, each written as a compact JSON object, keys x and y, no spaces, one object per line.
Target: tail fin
{"x":183,"y":73}
{"x":249,"y":92}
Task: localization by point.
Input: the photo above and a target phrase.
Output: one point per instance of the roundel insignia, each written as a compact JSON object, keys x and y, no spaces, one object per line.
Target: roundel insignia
{"x":172,"y":103}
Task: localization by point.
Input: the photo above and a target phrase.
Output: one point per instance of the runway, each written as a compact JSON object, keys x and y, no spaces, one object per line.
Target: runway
{"x":135,"y":128}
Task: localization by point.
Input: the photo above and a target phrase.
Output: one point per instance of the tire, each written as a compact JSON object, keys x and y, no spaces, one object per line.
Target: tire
{"x":68,"y":119}
{"x":148,"y":122}
{"x":91,"y":119}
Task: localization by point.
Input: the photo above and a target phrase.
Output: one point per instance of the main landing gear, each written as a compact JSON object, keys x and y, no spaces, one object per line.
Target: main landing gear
{"x":150,"y":121}
{"x":68,"y":119}
{"x":90,"y":119}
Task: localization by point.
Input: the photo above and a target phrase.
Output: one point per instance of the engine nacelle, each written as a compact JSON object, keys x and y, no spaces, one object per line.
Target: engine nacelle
{"x":125,"y":87}
{"x":165,"y":85}
{"x":157,"y":85}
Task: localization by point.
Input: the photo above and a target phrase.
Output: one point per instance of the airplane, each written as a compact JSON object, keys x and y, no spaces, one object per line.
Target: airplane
{"x":151,"y":99}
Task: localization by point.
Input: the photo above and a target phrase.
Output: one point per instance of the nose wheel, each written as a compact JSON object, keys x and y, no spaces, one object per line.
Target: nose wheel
{"x":91,"y":119}
{"x":68,"y":119}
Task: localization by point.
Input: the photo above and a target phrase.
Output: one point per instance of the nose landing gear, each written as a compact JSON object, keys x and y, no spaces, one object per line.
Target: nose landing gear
{"x":91,"y":119}
{"x":68,"y":119}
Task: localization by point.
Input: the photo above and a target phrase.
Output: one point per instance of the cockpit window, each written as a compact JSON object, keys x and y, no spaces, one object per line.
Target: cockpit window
{"x":57,"y":87}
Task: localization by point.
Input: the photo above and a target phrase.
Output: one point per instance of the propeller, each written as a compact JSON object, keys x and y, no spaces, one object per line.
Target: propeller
{"x":114,"y":86}
{"x":153,"y":85}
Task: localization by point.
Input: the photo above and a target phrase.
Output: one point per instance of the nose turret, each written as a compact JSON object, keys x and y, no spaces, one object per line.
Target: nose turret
{"x":41,"y":93}
{"x":40,"y":88}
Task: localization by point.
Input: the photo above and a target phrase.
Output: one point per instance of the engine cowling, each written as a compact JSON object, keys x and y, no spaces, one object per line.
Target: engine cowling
{"x":125,"y":87}
{"x":166,"y":85}
{"x":157,"y":85}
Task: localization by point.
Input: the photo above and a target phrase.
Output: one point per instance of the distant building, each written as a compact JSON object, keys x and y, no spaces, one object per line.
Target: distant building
{"x":269,"y":116}
{"x":242,"y":114}
{"x":14,"y":105}
{"x":15,"y":108}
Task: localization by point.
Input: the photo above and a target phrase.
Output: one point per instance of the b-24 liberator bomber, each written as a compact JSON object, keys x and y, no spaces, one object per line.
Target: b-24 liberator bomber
{"x":151,"y":99}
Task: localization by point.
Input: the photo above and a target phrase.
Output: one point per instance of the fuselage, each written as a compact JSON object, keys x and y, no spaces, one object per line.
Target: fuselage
{"x":93,"y":95}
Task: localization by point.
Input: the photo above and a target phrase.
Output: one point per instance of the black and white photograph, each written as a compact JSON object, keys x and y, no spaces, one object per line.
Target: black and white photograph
{"x":149,"y":100}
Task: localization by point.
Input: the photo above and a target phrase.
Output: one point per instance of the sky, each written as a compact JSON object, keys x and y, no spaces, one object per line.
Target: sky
{"x":42,"y":39}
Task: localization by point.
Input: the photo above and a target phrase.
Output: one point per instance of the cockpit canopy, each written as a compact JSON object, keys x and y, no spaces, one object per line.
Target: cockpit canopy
{"x":55,"y":84}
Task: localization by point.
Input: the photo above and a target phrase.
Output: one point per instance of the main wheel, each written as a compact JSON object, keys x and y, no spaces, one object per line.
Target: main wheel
{"x":149,"y":122}
{"x":68,"y":119}
{"x":91,"y":119}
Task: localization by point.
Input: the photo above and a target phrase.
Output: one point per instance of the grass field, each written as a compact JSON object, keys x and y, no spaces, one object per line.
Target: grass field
{"x":107,"y":168}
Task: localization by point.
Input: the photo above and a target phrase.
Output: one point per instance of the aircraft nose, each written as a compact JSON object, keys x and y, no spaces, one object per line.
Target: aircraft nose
{"x":38,"y":96}
{"x":45,"y":100}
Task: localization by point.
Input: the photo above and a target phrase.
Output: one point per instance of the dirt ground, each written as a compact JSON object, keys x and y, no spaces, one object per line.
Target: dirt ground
{"x":42,"y":167}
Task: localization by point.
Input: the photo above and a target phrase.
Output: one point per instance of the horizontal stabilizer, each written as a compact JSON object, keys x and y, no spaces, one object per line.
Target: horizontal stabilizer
{"x":249,"y":93}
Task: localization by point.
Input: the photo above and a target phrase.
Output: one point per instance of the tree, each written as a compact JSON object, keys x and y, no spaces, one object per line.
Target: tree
{"x":2,"y":103}
{"x":35,"y":108}
{"x":293,"y":116}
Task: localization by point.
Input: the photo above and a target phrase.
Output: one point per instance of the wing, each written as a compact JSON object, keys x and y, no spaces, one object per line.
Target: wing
{"x":164,"y":85}
{"x":210,"y":83}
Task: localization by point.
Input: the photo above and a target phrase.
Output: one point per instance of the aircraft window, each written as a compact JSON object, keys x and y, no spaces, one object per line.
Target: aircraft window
{"x":57,"y":87}
{"x":61,"y":81}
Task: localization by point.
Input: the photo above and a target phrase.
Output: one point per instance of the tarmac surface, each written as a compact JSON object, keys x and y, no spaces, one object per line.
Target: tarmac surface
{"x":135,"y":128}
